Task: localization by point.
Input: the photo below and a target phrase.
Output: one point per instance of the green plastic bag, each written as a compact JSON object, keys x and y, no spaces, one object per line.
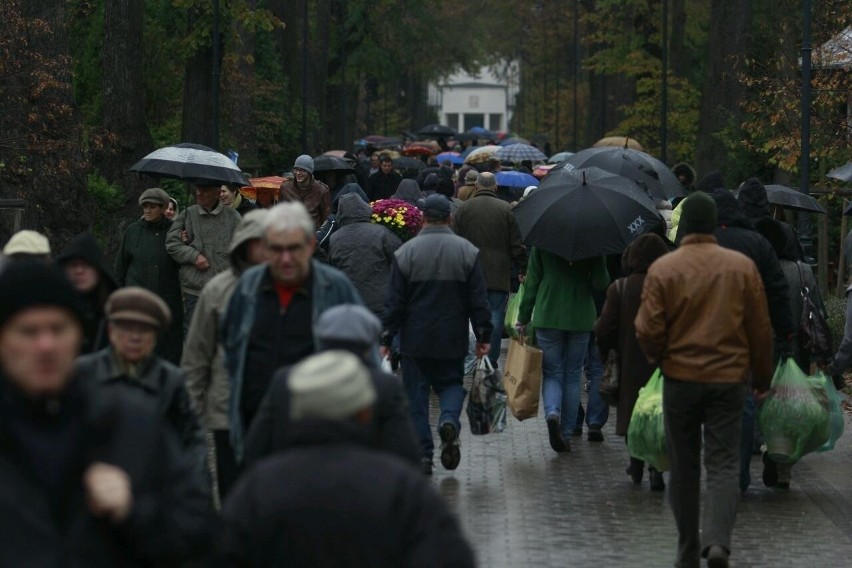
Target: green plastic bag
{"x":795,"y":415}
{"x":835,"y":419}
{"x":512,"y":318}
{"x":646,"y":434}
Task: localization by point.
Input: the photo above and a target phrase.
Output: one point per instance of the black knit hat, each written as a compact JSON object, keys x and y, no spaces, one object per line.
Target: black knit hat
{"x":698,"y":214}
{"x":30,"y":284}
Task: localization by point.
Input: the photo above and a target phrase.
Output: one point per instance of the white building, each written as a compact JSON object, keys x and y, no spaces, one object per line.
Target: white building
{"x":485,"y":98}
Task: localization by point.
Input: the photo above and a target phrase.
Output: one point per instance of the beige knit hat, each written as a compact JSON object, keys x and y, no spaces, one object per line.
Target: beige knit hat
{"x":333,"y":385}
{"x":154,"y":195}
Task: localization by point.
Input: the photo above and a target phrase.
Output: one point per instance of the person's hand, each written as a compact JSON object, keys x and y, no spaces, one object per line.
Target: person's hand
{"x":184,"y":238}
{"x":521,"y":278}
{"x":384,"y":351}
{"x":108,"y":492}
{"x":759,"y":395}
{"x":201,"y":263}
{"x":521,"y":328}
{"x":482,"y":349}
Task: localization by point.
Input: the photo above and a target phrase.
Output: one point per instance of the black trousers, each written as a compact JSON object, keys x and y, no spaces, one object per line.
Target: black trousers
{"x":716,"y":407}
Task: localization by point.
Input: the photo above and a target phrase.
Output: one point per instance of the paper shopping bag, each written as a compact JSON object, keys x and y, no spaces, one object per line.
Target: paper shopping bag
{"x":522,"y":379}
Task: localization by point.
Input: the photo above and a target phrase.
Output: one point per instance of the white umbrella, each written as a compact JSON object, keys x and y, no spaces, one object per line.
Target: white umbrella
{"x":193,"y":163}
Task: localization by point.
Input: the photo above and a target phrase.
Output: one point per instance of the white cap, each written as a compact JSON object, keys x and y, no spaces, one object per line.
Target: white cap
{"x":27,"y":242}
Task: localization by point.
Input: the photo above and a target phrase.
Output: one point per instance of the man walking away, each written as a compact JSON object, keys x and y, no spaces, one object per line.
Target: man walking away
{"x":704,"y":319}
{"x":488,"y":223}
{"x":341,"y":502}
{"x":436,"y":290}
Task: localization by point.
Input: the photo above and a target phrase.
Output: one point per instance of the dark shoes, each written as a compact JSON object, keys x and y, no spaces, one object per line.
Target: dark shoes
{"x":595,"y":434}
{"x":450,"y":451}
{"x":577,"y":431}
{"x":635,"y":470}
{"x":656,"y":480}
{"x":426,"y":466}
{"x":394,"y":360}
{"x":557,"y":442}
{"x":770,"y":471}
{"x":717,"y":557}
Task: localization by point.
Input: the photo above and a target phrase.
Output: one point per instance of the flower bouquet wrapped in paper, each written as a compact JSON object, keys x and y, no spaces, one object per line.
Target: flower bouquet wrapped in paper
{"x":404,"y":219}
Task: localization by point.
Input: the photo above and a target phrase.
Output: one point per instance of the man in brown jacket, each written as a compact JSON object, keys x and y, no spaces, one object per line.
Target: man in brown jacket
{"x":704,"y":320}
{"x":313,"y":193}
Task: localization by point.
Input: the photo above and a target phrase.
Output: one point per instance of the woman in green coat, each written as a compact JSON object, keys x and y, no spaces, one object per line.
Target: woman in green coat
{"x":565,"y":313}
{"x":142,"y":261}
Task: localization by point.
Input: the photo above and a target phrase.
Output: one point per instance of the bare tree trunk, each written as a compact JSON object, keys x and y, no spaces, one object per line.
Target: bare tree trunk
{"x":677,"y":43}
{"x":198,"y":94}
{"x":40,"y":126}
{"x":238,"y":86}
{"x":730,"y":36}
{"x":123,"y":96}
{"x":319,"y":56}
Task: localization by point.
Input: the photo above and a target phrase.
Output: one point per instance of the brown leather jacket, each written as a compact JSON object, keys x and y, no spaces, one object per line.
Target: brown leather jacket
{"x":704,"y":315}
{"x":316,"y":198}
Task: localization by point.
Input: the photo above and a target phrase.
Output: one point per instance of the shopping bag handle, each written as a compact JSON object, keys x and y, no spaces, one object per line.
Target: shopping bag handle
{"x":485,"y":362}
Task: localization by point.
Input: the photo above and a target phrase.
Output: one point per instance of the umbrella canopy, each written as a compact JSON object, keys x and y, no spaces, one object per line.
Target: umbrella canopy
{"x":481,"y":154}
{"x":650,"y":173}
{"x":519,"y":152}
{"x":406,"y":163}
{"x":193,"y":163}
{"x":843,"y":173}
{"x":542,"y":170}
{"x":336,"y":153}
{"x":792,"y":199}
{"x":418,"y":149}
{"x":619,"y":142}
{"x":508,"y":178}
{"x":514,"y":140}
{"x":579,"y":214}
{"x":454,"y":157}
{"x":559,"y":156}
{"x":437,"y":130}
{"x":326,"y":163}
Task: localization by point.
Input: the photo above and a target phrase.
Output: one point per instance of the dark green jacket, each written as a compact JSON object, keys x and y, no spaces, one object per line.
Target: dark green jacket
{"x":142,"y":260}
{"x":561,"y":291}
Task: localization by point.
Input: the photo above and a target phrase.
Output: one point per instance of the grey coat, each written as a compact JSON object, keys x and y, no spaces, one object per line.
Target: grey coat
{"x":363,"y":251}
{"x":209,"y":233}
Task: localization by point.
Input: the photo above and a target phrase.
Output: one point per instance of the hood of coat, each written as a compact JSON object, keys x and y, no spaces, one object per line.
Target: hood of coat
{"x":774,"y":232}
{"x":84,"y":246}
{"x":316,"y":432}
{"x":753,"y":199}
{"x":643,"y":251}
{"x":348,"y":189}
{"x":409,"y":191}
{"x":728,"y":209}
{"x":352,"y":209}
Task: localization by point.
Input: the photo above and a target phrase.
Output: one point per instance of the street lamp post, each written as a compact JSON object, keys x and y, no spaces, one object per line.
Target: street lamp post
{"x":217,"y":72}
{"x":664,"y":94}
{"x":804,"y":184}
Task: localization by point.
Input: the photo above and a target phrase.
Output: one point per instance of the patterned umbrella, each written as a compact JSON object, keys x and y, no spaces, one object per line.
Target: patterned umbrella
{"x":193,"y":163}
{"x":519,"y":153}
{"x":481,"y":155}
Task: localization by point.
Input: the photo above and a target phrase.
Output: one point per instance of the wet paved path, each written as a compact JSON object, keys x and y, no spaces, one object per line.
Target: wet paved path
{"x":521,"y":504}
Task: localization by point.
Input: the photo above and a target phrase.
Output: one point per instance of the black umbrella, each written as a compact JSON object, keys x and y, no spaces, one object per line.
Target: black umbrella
{"x":437,"y":130}
{"x":647,"y":171}
{"x":193,"y":163}
{"x":792,"y":199}
{"x":406,"y":163}
{"x":579,"y":214}
{"x":324,"y":163}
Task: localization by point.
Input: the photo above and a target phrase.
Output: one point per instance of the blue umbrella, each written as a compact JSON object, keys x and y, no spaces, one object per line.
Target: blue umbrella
{"x":515,"y":179}
{"x":454,"y":157}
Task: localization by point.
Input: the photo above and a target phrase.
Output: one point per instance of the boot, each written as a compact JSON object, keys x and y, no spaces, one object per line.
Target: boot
{"x":635,"y":470}
{"x":656,"y":478}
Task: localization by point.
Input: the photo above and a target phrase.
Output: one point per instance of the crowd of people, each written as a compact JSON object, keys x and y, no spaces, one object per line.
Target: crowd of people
{"x":151,"y":411}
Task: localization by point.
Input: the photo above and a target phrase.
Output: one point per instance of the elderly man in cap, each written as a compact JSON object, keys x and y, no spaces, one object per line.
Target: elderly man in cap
{"x":437,"y":288}
{"x":704,"y":320}
{"x":467,"y":190}
{"x":198,"y":240}
{"x":329,"y":499}
{"x":348,"y":328}
{"x":203,"y":356}
{"x":313,"y":194}
{"x":135,"y":318}
{"x":86,"y":479}
{"x":142,"y":261}
{"x":269,"y":322}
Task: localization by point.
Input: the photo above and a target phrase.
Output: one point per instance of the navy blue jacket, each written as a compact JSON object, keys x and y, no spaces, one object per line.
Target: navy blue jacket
{"x":436,"y":288}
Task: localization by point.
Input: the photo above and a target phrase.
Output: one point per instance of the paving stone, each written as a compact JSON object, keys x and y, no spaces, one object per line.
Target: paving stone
{"x":521,"y":504}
